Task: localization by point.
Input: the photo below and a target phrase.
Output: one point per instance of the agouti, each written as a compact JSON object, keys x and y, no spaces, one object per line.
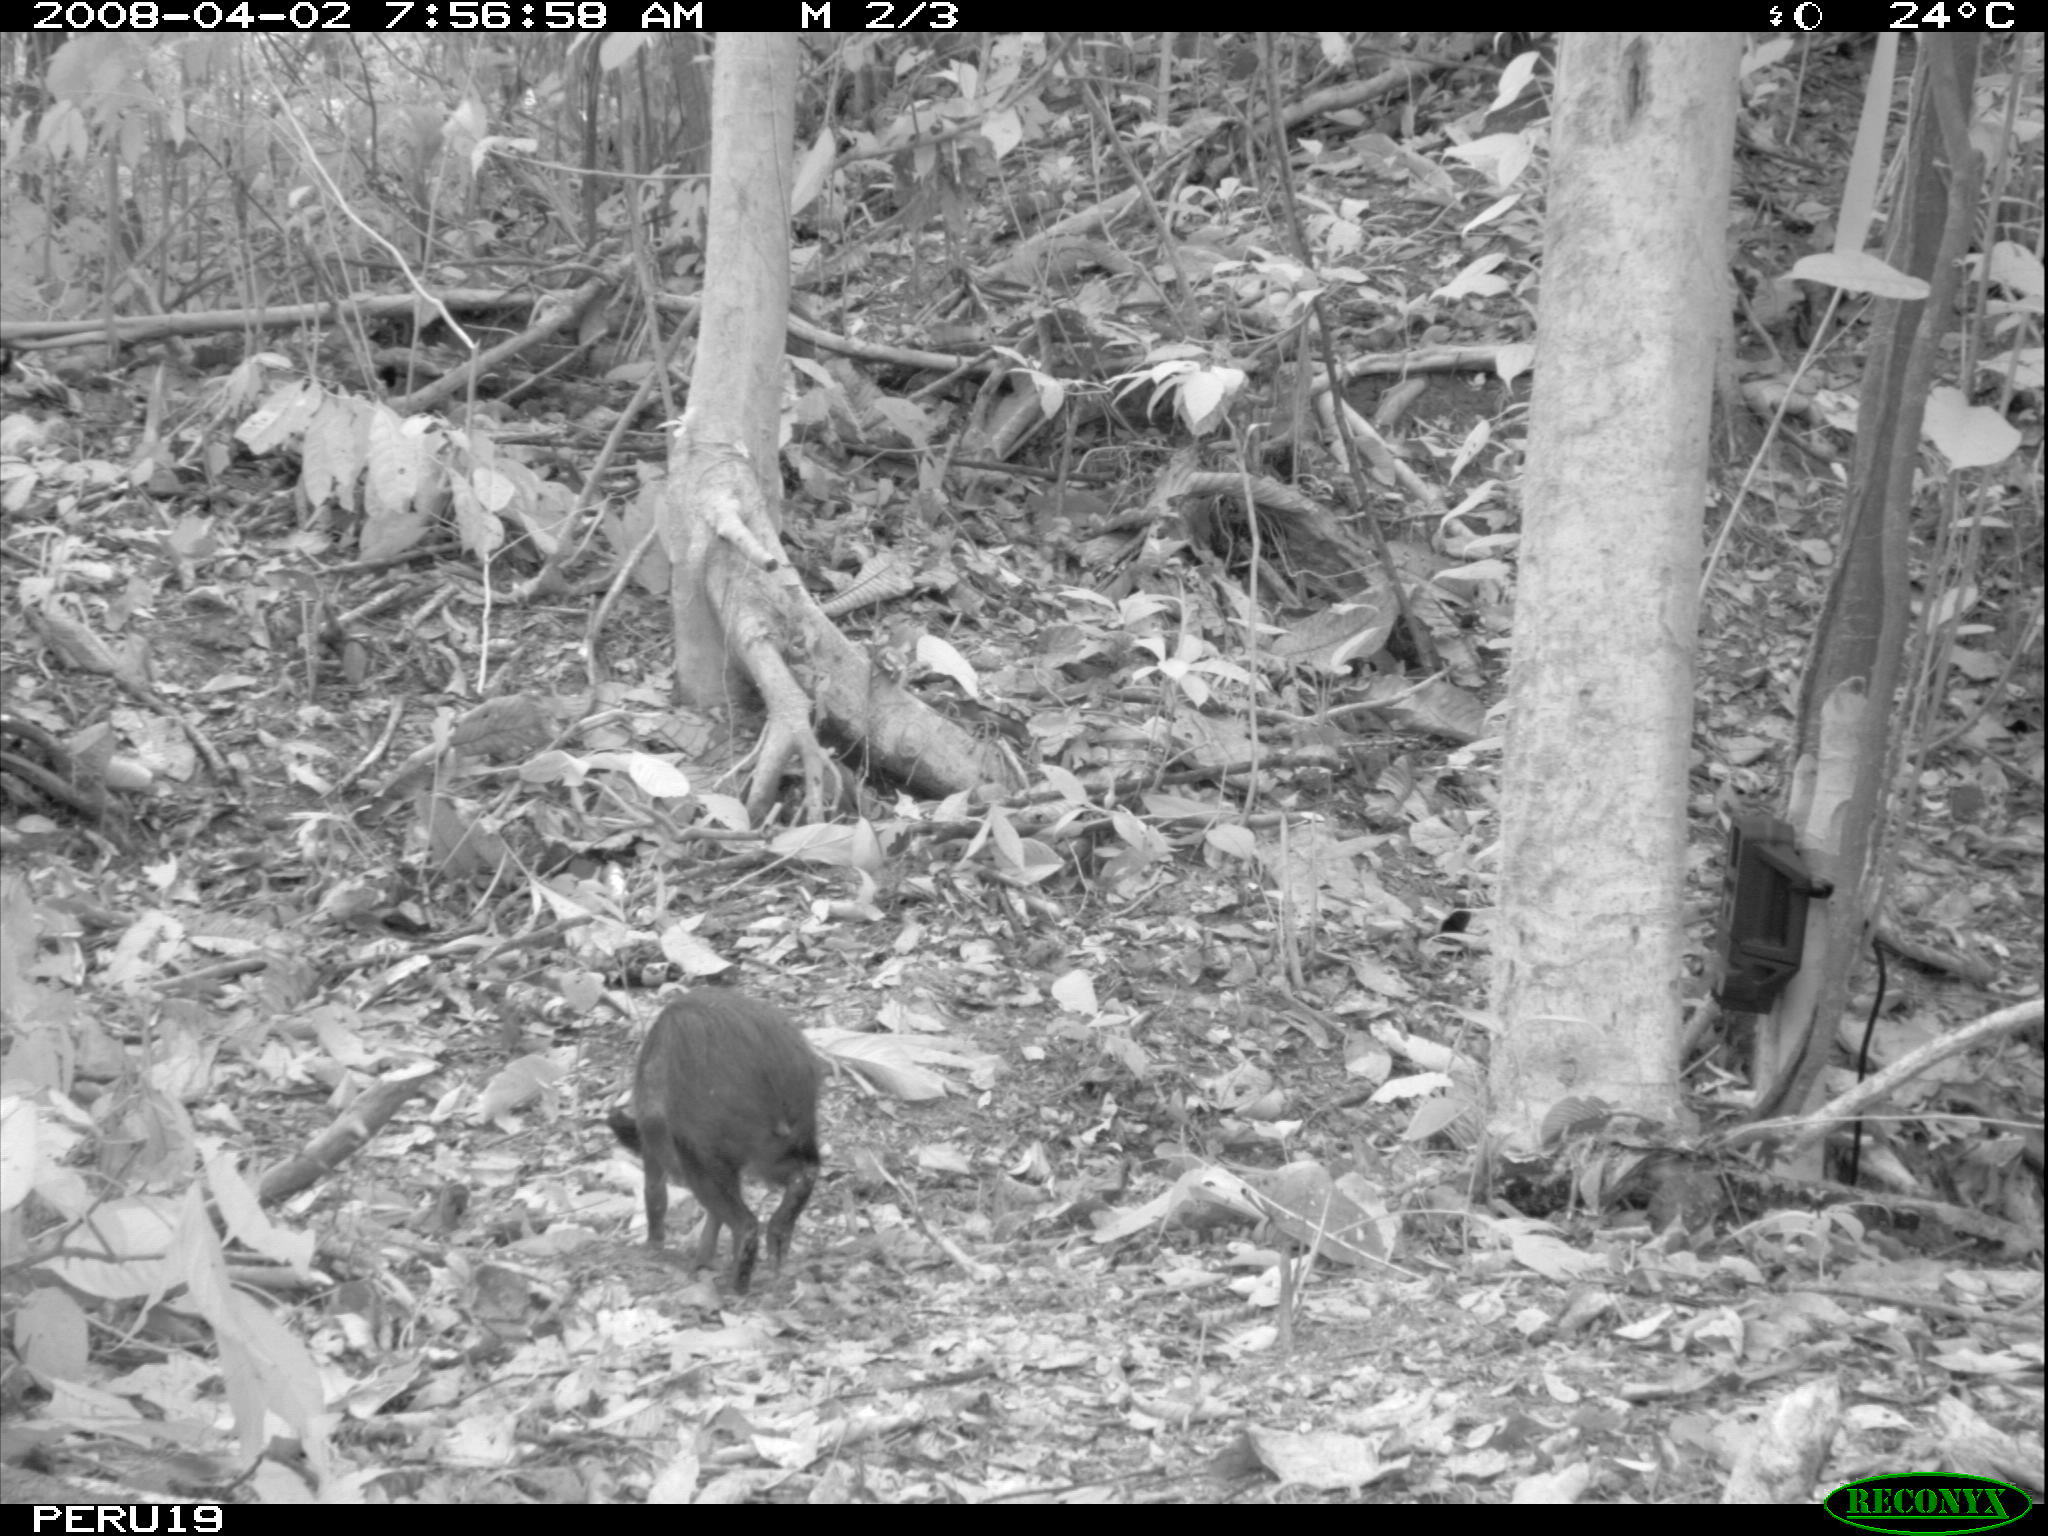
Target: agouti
{"x":726,"y":1085}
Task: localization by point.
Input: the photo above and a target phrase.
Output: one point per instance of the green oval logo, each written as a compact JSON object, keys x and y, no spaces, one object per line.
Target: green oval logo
{"x":1947,"y":1503}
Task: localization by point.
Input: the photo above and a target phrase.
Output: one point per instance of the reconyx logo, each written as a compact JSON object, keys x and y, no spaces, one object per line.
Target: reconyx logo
{"x":1922,"y":1502}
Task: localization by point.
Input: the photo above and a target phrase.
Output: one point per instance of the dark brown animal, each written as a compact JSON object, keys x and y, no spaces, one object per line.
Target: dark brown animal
{"x":725,"y":1086}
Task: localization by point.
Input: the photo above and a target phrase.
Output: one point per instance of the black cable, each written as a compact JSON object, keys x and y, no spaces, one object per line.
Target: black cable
{"x":1863,"y":1057}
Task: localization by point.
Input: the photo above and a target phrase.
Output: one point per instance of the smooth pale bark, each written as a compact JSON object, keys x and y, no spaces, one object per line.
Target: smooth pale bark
{"x":1594,"y":782}
{"x":746,"y":629}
